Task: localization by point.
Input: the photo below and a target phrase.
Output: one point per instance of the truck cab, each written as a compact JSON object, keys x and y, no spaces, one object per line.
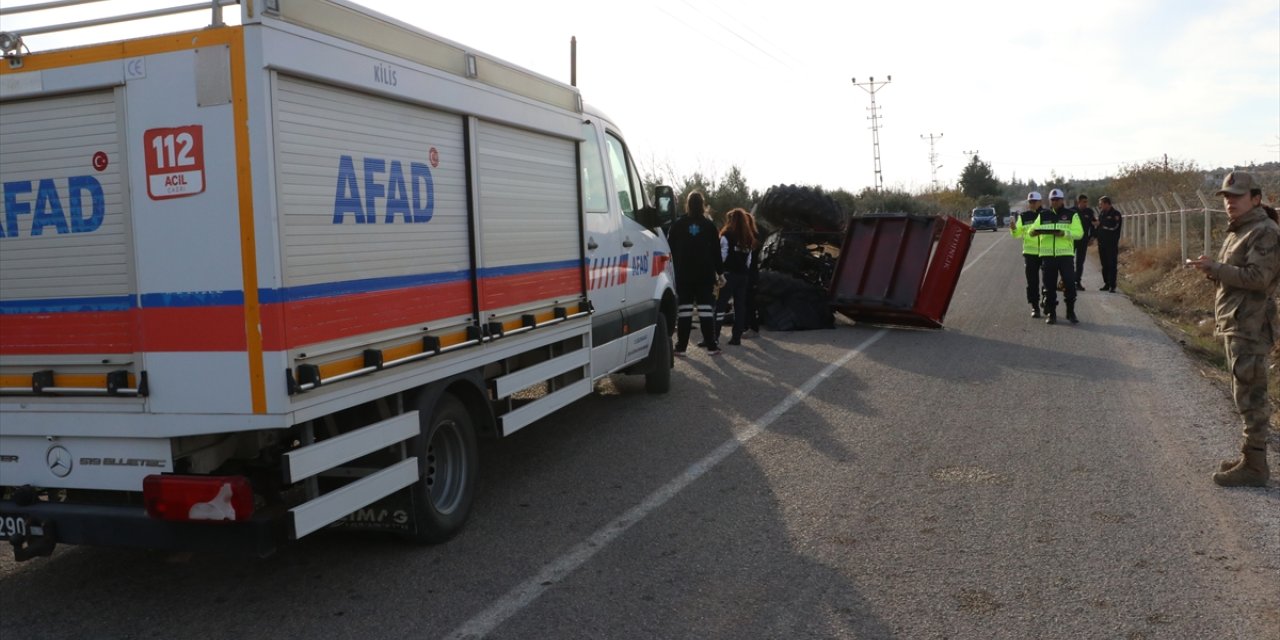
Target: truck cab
{"x":628,"y":262}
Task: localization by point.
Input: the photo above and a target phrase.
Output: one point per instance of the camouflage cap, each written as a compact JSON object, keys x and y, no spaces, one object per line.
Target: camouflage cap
{"x":1236,"y":183}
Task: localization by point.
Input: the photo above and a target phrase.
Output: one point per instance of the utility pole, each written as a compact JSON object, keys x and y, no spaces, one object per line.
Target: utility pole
{"x":933,"y":158}
{"x":871,"y":86}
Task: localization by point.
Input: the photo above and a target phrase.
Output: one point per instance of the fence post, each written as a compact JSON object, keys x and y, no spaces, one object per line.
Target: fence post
{"x":1182,"y":225}
{"x":1137,"y":224}
{"x":1168,"y":220}
{"x":1208,"y":225}
{"x":1155,"y":204}
{"x":1126,"y":231}
{"x":1146,"y":224}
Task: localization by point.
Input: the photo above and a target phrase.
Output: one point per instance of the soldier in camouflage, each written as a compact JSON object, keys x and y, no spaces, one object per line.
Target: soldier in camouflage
{"x":1247,"y":272}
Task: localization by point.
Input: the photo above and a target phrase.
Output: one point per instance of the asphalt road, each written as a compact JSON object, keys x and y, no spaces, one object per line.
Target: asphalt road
{"x":996,"y":479}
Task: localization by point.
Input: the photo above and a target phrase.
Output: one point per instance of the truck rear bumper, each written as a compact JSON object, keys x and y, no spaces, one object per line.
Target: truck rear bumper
{"x":131,"y":527}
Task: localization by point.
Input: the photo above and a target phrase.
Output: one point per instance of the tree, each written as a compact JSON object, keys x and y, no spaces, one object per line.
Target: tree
{"x":689,"y":184}
{"x":1000,"y":203}
{"x":888,"y":201}
{"x":978,"y":180}
{"x":730,"y":193}
{"x":1156,"y":178}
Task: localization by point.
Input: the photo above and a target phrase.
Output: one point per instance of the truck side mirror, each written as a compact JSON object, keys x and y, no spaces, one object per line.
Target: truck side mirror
{"x":665,"y":197}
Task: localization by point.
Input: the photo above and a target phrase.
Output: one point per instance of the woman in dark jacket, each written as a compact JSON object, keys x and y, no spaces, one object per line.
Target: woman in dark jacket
{"x":696,"y":257}
{"x":737,"y":242}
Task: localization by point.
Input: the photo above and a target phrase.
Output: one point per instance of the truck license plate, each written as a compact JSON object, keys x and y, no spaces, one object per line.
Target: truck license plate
{"x":11,"y":525}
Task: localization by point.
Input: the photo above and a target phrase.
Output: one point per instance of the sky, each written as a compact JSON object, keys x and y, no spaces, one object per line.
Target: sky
{"x":1077,"y":89}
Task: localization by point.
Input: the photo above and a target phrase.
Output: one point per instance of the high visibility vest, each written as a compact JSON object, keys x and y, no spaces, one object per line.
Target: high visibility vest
{"x":1019,"y":229}
{"x":1062,"y":220}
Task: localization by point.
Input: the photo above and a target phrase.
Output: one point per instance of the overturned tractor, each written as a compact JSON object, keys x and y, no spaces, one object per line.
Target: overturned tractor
{"x":802,"y":230}
{"x":815,"y":259}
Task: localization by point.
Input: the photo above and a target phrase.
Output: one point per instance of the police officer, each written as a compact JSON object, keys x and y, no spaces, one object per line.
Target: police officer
{"x":1056,"y":230}
{"x":1247,"y":272}
{"x":1030,"y":249}
{"x":695,"y":255}
{"x":1088,"y":222}
{"x":1108,"y":234}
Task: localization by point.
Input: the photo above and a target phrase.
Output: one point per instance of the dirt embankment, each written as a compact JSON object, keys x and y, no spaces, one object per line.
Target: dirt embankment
{"x":1181,"y":301}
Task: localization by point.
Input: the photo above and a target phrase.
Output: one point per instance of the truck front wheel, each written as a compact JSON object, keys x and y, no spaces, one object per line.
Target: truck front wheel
{"x":661,"y":360}
{"x":447,"y":464}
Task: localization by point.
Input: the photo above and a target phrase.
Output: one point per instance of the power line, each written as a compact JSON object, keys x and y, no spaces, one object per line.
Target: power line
{"x":757,"y":36}
{"x":736,"y":34}
{"x":871,"y":86}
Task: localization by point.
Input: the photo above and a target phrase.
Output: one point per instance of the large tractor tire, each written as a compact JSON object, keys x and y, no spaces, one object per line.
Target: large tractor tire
{"x":788,"y":303}
{"x":788,"y":207}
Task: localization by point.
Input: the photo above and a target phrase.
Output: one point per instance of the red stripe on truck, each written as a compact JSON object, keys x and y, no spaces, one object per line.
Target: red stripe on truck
{"x":323,"y":319}
{"x":199,"y":326}
{"x":98,"y":332}
{"x":510,"y":290}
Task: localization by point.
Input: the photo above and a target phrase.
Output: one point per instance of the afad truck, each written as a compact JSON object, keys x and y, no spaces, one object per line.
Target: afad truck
{"x":263,"y":279}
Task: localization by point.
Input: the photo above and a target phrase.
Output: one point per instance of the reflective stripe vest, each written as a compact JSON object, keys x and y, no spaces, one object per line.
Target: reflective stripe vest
{"x":1049,"y":245}
{"x":1021,"y":224}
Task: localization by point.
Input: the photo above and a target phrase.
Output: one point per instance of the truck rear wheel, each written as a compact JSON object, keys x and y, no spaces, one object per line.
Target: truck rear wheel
{"x":661,"y":359}
{"x":447,"y":465}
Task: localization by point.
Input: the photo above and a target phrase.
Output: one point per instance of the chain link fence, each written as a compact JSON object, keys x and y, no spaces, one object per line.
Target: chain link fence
{"x":1196,"y":222}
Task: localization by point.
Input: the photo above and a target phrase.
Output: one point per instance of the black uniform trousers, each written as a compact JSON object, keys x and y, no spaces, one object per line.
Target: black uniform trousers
{"x":1053,"y":267}
{"x":695,"y":299}
{"x":1031,"y":264}
{"x":1108,"y":251}
{"x":1082,"y":250}
{"x":735,"y":288}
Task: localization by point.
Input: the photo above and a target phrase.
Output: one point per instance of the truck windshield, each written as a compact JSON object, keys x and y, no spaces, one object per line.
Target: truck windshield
{"x":594,"y":196}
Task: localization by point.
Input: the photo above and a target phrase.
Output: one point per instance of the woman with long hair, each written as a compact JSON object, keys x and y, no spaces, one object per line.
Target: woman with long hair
{"x":737,"y":242}
{"x":753,"y":280}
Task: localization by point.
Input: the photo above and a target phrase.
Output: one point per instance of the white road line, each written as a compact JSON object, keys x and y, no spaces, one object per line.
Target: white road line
{"x":985,"y":252}
{"x":529,"y":590}
{"x":523,"y":594}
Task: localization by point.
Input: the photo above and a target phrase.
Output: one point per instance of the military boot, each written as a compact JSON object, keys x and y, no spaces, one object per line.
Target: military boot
{"x":1071,"y":313}
{"x":1051,"y":316}
{"x":1251,"y":471}
{"x":1227,"y":464}
{"x":1035,"y":310}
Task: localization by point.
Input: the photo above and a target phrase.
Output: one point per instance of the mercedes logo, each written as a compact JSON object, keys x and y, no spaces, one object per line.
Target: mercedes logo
{"x":59,"y":460}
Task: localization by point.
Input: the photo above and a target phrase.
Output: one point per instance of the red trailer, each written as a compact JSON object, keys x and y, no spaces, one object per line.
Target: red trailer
{"x":900,"y":269}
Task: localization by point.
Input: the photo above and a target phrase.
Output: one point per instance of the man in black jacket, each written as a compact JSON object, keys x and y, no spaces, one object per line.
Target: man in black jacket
{"x":1108,"y":234}
{"x":695,"y":255}
{"x":1089,"y":221}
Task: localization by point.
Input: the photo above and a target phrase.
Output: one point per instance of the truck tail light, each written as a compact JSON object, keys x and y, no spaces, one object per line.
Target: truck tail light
{"x":198,"y":498}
